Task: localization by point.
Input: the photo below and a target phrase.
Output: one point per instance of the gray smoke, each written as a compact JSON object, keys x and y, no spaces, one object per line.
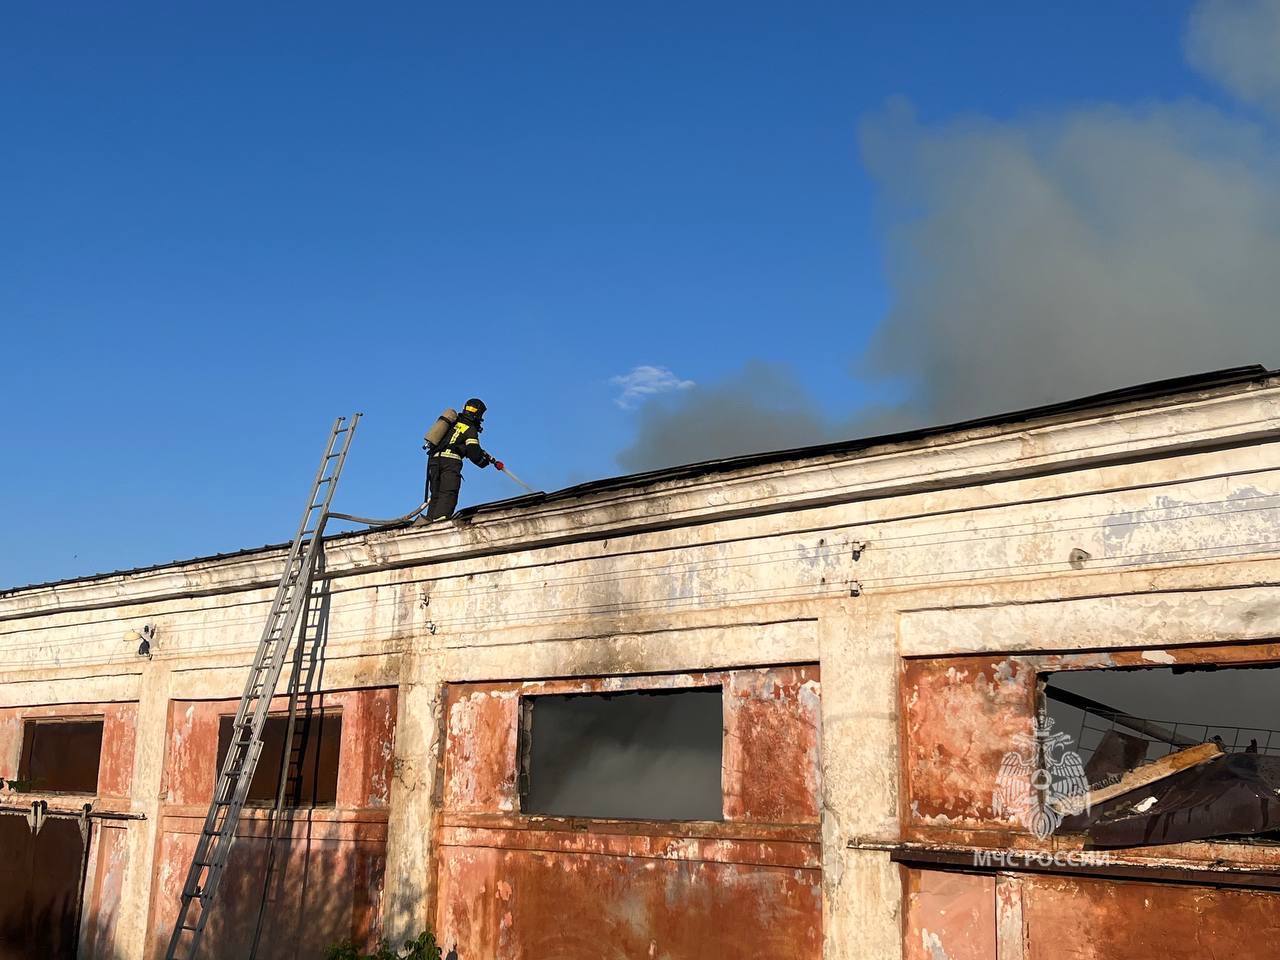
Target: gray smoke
{"x":762,"y":407}
{"x":1045,"y":259}
{"x":1237,"y":43}
{"x":1060,"y":257}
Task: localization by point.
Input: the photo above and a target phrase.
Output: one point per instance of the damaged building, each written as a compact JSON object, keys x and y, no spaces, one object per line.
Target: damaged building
{"x":1001,"y":690}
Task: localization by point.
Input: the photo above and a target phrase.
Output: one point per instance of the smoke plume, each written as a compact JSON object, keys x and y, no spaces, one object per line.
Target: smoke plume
{"x":1048,"y":258}
{"x":760,"y":408}
{"x":1237,"y":43}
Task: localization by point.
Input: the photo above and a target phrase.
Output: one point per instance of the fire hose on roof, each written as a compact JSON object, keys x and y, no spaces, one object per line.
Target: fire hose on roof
{"x":379,"y":523}
{"x":421,"y":507}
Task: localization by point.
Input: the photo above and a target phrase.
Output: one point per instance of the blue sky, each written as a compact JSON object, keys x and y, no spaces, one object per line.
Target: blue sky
{"x":223,"y":225}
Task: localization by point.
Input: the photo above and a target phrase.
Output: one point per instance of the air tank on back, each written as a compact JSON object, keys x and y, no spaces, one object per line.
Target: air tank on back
{"x":440,"y":429}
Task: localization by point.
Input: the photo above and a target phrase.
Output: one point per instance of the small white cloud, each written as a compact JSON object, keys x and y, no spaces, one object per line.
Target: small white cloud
{"x":644,"y":382}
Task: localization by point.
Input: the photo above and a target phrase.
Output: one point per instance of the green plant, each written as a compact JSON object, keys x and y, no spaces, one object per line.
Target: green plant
{"x":346,"y":950}
{"x":423,"y":947}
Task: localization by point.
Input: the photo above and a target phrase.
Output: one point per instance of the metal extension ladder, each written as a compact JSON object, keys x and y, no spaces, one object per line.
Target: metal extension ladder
{"x":219,"y":832}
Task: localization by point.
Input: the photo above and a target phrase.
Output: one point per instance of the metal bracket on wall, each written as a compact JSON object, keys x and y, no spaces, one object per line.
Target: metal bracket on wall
{"x":84,"y":823}
{"x":55,"y":813}
{"x":36,"y":816}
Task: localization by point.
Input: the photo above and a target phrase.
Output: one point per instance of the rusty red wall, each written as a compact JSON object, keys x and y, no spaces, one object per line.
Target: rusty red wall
{"x":959,"y":717}
{"x":119,"y":729}
{"x":1071,"y":918}
{"x":963,"y":916}
{"x":515,"y":886}
{"x":951,"y":915}
{"x":327,"y":884}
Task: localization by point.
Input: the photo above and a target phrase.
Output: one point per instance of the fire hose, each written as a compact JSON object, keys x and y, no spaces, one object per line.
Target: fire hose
{"x":373,"y":522}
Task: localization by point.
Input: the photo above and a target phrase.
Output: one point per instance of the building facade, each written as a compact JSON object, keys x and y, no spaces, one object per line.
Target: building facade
{"x":762,"y":707}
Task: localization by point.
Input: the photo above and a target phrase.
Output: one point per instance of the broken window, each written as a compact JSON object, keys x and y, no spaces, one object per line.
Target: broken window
{"x":648,"y":755}
{"x":61,"y":756}
{"x":1173,"y":754}
{"x":312,"y":778}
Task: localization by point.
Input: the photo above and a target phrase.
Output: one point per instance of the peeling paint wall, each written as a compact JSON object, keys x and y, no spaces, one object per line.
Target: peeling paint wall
{"x":578,"y":888}
{"x":119,"y":724}
{"x":961,"y":714}
{"x":102,"y":905}
{"x":957,"y":916}
{"x":1081,"y":919}
{"x":961,"y":717}
{"x":326,"y":883}
{"x":950,"y":916}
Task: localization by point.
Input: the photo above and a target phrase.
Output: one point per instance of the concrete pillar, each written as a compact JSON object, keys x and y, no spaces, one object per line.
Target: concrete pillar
{"x":132,"y":926}
{"x":408,"y":905}
{"x":862,"y":892}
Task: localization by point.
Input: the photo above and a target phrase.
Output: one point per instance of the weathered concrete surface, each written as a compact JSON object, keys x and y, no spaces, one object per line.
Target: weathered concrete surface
{"x":886,"y":568}
{"x":860,"y":779}
{"x":415,"y":772}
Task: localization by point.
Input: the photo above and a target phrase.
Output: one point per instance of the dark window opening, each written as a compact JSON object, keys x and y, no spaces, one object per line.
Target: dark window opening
{"x":1171,"y":754}
{"x":61,"y":756}
{"x":312,"y":777}
{"x":623,"y":756}
{"x":1154,"y":711}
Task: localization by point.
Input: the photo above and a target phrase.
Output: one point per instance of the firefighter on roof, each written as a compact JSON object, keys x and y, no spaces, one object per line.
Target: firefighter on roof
{"x":449,"y":443}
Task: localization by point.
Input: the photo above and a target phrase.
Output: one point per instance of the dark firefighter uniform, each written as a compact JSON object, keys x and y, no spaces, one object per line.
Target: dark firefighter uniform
{"x":444,"y":469}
